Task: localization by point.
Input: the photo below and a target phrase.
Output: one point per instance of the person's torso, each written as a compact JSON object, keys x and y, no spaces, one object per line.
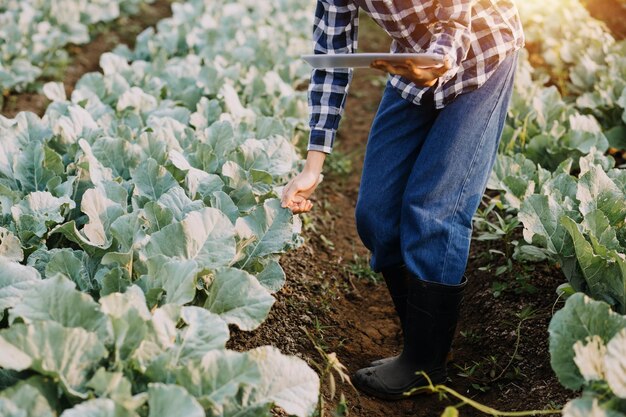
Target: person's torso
{"x":495,"y":31}
{"x":410,"y":22}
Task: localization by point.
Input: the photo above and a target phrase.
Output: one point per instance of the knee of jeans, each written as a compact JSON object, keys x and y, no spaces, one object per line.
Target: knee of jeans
{"x":377,"y":226}
{"x":363,"y":220}
{"x":370,"y":224}
{"x":467,"y":210}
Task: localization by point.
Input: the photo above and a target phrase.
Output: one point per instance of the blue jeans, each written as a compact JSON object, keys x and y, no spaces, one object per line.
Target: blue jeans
{"x":424,"y":174}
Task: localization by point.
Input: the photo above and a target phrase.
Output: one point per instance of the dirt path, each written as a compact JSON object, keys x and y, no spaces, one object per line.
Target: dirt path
{"x":85,"y":58}
{"x":612,"y":12}
{"x":329,"y":292}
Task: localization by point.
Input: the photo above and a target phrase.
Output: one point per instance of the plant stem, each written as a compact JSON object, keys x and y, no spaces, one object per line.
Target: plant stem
{"x":480,"y":407}
{"x":518,"y":333}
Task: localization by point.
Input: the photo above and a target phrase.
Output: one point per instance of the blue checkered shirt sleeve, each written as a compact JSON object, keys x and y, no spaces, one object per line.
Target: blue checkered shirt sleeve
{"x":334,"y":32}
{"x":452,"y":32}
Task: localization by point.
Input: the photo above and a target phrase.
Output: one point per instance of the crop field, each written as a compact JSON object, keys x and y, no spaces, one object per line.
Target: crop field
{"x":148,"y":269}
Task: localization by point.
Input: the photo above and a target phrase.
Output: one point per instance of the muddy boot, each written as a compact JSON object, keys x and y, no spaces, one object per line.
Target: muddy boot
{"x":432,"y":312}
{"x":396,"y":279}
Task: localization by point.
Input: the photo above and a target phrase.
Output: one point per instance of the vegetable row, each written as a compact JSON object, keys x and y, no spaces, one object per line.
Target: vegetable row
{"x":139,"y":219}
{"x":578,"y":54}
{"x":556,"y":173}
{"x":34,"y":33}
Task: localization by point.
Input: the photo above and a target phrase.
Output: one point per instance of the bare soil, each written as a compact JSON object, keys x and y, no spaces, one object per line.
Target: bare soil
{"x":612,"y":12}
{"x":85,"y":58}
{"x":333,"y":297}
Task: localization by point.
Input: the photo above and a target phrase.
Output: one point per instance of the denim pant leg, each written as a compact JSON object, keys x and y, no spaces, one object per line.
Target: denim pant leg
{"x":397,"y":134}
{"x":449,"y":178}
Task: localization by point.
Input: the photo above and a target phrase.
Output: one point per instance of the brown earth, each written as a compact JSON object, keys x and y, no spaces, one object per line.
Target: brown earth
{"x":85,"y":58}
{"x":612,"y":12}
{"x":330,"y":293}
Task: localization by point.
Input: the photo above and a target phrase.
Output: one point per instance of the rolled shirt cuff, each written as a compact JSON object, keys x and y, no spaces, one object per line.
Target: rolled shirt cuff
{"x":321,"y":140}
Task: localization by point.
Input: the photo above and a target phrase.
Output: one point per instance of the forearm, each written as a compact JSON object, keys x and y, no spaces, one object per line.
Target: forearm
{"x":335,"y":32}
{"x":314,"y":162}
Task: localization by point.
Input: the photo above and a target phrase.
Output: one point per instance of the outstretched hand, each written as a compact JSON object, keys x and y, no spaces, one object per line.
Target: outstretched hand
{"x":297,"y":192}
{"x":423,"y":77}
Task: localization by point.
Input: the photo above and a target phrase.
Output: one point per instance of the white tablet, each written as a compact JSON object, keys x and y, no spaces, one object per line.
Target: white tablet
{"x":365,"y":59}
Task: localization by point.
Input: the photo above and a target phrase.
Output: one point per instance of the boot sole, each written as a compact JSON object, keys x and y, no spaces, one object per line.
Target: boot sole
{"x":382,"y":361}
{"x":393,"y":397}
{"x":378,"y":362}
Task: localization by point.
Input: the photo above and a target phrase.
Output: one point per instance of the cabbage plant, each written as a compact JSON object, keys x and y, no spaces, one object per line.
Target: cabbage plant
{"x":588,"y":352}
{"x":34,"y":33}
{"x":583,"y":59}
{"x":578,"y":220}
{"x":139,"y":218}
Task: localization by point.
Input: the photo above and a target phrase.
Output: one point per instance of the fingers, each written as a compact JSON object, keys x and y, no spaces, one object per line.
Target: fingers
{"x":288,"y":193}
{"x":291,"y":200}
{"x":440,"y":71}
{"x":291,"y":193}
{"x":421,"y":76}
{"x":381,"y":65}
{"x":389,"y":67}
{"x":447,"y":64}
{"x":302,"y":207}
{"x":396,"y":69}
{"x":427,"y":73}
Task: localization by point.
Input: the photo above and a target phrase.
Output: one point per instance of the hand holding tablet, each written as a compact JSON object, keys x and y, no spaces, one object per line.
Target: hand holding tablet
{"x":365,"y":60}
{"x":422,"y":69}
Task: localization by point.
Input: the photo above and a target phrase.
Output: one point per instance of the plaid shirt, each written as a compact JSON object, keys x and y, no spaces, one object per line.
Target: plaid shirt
{"x":476,"y":34}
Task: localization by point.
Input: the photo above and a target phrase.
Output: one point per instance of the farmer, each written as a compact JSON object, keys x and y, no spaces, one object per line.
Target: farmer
{"x":429,"y":154}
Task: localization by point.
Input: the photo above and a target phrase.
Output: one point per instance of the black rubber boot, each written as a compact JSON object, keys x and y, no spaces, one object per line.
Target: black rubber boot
{"x":432,"y":312}
{"x":397,"y":279}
